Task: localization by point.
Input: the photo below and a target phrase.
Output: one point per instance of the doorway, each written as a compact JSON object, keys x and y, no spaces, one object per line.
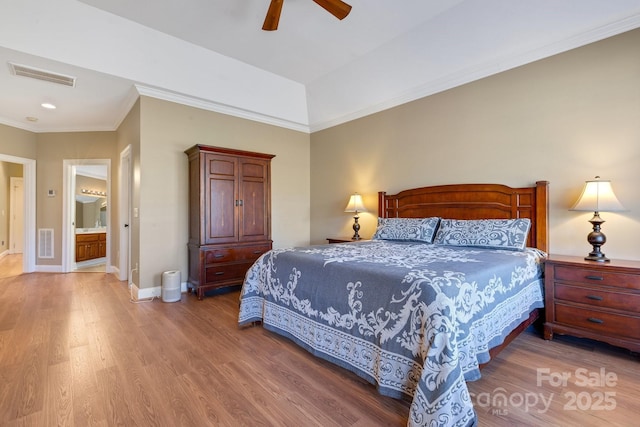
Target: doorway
{"x":27,"y":235}
{"x":86,"y":217}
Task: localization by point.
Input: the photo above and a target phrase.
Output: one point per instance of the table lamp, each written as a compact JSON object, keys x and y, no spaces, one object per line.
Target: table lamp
{"x":597,"y":196}
{"x":355,"y":205}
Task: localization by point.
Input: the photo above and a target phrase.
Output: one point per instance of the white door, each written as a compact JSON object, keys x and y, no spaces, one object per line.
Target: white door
{"x":16,"y":222}
{"x":125,"y":214}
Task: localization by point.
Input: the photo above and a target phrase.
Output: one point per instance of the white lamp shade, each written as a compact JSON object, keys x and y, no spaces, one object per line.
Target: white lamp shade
{"x":355,"y":204}
{"x":598,"y":196}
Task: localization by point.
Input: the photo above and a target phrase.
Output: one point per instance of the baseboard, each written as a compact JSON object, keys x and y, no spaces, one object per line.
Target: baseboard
{"x":145,"y":293}
{"x":4,"y":253}
{"x":90,"y":262}
{"x":58,"y":269}
{"x":48,"y":268}
{"x":154,"y":292}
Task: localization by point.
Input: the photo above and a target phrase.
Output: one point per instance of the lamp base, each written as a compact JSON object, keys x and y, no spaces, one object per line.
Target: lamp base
{"x":596,"y":238}
{"x":600,"y":258}
{"x":356,"y":228}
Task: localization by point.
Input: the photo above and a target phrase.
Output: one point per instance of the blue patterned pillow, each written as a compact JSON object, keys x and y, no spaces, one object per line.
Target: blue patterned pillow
{"x":415,"y":229}
{"x":508,"y":234}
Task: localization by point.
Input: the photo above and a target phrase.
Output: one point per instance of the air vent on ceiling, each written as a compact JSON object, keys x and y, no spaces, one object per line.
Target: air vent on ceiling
{"x":38,"y":74}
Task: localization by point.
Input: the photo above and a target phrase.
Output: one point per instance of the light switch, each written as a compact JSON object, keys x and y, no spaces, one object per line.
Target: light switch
{"x":135,"y":212}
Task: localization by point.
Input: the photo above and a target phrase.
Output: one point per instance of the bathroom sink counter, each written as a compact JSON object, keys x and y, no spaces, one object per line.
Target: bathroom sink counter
{"x":91,"y":230}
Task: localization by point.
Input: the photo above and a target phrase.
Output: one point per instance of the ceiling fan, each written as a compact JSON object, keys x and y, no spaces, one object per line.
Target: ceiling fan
{"x":337,"y":8}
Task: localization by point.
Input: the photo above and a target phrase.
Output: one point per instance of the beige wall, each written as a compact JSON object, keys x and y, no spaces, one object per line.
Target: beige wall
{"x":564,"y":119}
{"x":17,"y":142}
{"x":53,"y":148}
{"x":158,"y":132}
{"x":167,"y":130}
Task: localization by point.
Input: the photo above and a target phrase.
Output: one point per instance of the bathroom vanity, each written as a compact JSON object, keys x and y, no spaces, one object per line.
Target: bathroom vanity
{"x":91,"y":244}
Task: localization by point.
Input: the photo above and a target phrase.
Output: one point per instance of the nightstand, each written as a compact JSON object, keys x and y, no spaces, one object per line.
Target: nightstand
{"x":590,"y":299}
{"x":343,"y":240}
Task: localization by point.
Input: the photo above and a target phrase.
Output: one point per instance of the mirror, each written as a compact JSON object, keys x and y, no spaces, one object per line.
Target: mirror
{"x":91,"y":211}
{"x":91,"y":198}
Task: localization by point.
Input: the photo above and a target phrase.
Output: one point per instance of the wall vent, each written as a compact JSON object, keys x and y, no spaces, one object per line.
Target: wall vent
{"x":45,"y":243}
{"x":38,"y":74}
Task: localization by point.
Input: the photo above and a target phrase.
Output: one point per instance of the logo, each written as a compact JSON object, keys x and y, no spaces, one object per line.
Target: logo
{"x":596,"y":396}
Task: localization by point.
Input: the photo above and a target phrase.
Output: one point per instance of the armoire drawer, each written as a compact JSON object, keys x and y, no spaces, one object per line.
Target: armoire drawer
{"x":234,"y":254}
{"x":226,"y":272}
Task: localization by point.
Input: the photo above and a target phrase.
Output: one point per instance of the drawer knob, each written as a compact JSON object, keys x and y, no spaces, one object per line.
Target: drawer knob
{"x":218,"y":256}
{"x":594,"y":297}
{"x":257,"y":252}
{"x":594,"y":277}
{"x":219,"y":273}
{"x":595,"y":320}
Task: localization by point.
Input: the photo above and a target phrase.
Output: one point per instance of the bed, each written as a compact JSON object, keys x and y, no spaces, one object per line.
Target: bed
{"x":452,"y":275}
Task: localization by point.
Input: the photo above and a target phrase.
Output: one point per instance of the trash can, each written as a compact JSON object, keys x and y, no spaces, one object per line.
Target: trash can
{"x":171,"y":286}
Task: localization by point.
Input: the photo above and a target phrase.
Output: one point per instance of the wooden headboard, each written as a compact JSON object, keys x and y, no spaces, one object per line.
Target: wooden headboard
{"x":474,"y":201}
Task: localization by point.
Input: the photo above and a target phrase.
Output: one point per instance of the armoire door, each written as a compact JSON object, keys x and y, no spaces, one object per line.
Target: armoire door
{"x":221,"y":189}
{"x":253,"y":212}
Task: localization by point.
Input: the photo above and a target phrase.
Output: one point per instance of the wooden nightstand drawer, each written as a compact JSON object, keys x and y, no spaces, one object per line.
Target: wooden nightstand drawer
{"x":597,"y":277}
{"x":598,"y":297}
{"x":600,"y":321}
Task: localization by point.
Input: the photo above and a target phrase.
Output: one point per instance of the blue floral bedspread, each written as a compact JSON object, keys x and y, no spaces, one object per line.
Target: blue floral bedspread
{"x":414,"y":319}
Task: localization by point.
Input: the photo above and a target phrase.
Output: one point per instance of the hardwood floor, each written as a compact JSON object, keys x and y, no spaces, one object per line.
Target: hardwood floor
{"x":74,"y":351}
{"x":10,"y":265}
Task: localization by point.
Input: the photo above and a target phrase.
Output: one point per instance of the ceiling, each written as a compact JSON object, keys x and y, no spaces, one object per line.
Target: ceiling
{"x":312,"y":73}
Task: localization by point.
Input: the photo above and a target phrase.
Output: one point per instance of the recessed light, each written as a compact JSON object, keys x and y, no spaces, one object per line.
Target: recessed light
{"x":48,"y":106}
{"x":32,"y":119}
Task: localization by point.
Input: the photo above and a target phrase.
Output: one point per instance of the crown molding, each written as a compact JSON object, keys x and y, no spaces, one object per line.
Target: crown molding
{"x":165,"y":95}
{"x":17,"y":125}
{"x":208,"y":105}
{"x":126,"y":106}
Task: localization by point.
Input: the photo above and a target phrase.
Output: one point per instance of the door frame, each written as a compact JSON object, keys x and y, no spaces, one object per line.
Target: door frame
{"x":29,"y":200}
{"x":12,"y":214}
{"x":124,"y":213}
{"x":69,"y":209}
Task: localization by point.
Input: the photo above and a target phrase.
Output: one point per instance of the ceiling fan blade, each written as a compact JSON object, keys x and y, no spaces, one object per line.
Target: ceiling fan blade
{"x":337,"y":8}
{"x":273,"y":16}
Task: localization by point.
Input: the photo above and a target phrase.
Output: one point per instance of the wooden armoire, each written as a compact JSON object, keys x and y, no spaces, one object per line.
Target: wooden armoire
{"x":229,"y":215}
